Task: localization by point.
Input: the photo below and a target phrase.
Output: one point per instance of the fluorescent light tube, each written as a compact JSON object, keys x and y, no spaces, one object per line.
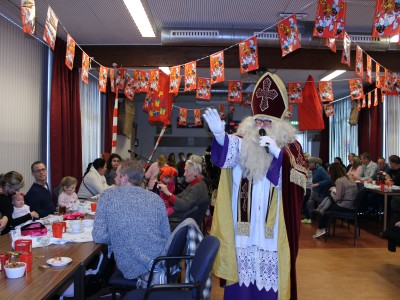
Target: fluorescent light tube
{"x":332,"y":75}
{"x":136,"y":9}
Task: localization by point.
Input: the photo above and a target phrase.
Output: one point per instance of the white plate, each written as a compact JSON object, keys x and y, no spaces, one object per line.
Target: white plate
{"x":76,"y":232}
{"x":64,"y":261}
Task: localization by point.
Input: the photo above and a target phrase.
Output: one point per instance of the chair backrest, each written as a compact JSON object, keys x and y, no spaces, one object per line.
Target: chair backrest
{"x":203,"y":261}
{"x":192,"y":213}
{"x":359,"y":198}
{"x":178,"y":243}
{"x":201,"y":213}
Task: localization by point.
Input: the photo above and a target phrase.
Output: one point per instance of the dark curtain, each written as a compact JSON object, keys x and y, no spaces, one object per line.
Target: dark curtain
{"x":363,"y":131}
{"x":324,"y":142}
{"x":375,"y":128}
{"x":65,"y":119}
{"x":109,"y":107}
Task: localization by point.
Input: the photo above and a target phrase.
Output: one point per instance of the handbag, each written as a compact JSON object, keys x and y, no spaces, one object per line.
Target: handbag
{"x":34,"y":229}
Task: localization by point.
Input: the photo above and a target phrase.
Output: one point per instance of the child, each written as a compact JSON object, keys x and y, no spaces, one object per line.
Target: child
{"x":20,"y":208}
{"x":68,"y":195}
{"x":167,"y":176}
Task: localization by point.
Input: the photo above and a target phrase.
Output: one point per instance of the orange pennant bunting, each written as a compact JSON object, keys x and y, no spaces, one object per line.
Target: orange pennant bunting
{"x":154,"y":76}
{"x":28,"y":16}
{"x":120,"y":78}
{"x":217,"y":68}
{"x":103,"y":74}
{"x":112,"y":80}
{"x":203,"y":90}
{"x":85,"y":68}
{"x":234,"y":91}
{"x":359,"y":62}
{"x":190,"y":76}
{"x":197,"y":118}
{"x":295,"y":90}
{"x":174,"y":79}
{"x":326,"y":91}
{"x":248,"y":55}
{"x":368,"y":77}
{"x":329,"y":110}
{"x":288,"y":35}
{"x":182,"y":121}
{"x":385,"y":18}
{"x":129,"y":90}
{"x":70,"y":52}
{"x":346,"y":50}
{"x":331,"y":43}
{"x":356,"y":89}
{"x":50,"y":28}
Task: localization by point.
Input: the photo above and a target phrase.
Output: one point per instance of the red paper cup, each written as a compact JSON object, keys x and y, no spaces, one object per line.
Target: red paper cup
{"x":4,"y":258}
{"x":64,"y":226}
{"x":26,"y":257}
{"x":93,"y":206}
{"x":57,"y":230}
{"x":382,"y":187}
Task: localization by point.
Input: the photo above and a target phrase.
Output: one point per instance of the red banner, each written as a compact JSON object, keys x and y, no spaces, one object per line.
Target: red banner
{"x":129,"y":90}
{"x":329,"y":110}
{"x":153,"y":82}
{"x":50,"y":28}
{"x":385,"y":19}
{"x":85,"y":68}
{"x":161,"y":101}
{"x":182,"y":121}
{"x":331,"y":43}
{"x":346,"y":50}
{"x":103,"y":74}
{"x":368,"y":77}
{"x":234,"y":91}
{"x":295,"y":92}
{"x":203,"y":90}
{"x":327,"y":17}
{"x":356,"y":89}
{"x":359,"y":62}
{"x":70,"y":52}
{"x":28,"y":16}
{"x":341,"y":20}
{"x":197,"y":118}
{"x":174,"y":79}
{"x":217,"y":67}
{"x":112,"y":80}
{"x":377,"y":75}
{"x":190,"y":76}
{"x":326,"y":91}
{"x":248,"y":55}
{"x":120,"y":78}
{"x":288,"y":35}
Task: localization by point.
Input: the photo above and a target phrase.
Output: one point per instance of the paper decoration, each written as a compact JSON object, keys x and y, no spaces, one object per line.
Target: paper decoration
{"x":203,"y":90}
{"x":386,"y":21}
{"x":70,"y":52}
{"x":288,"y":35}
{"x":329,"y":110}
{"x":359,"y":62}
{"x":368,"y":77}
{"x":182,"y":120}
{"x":383,"y":86}
{"x":392,"y":83}
{"x":295,"y":92}
{"x":358,"y":105}
{"x":190,"y":76}
{"x":144,"y":81}
{"x":375,"y":100}
{"x":331,"y":43}
{"x":129,"y":90}
{"x":147,"y":103}
{"x":327,"y":17}
{"x":153,"y":82}
{"x":221,"y":111}
{"x":197,"y":118}
{"x":248,"y":55}
{"x":234,"y":91}
{"x":363,"y":102}
{"x":174,"y":79}
{"x":356,"y":89}
{"x":217,"y":67}
{"x":112,"y":80}
{"x":103,"y":74}
{"x":161,"y":108}
{"x":120,"y":78}
{"x":369,"y":99}
{"x":289,"y":112}
{"x":231,"y":108}
{"x":136,"y":81}
{"x":247,"y":100}
{"x":382,"y":96}
{"x":28,"y":16}
{"x":50,"y":28}
{"x":85,"y":68}
{"x":326,"y":91}
{"x":377,"y":75}
{"x":341,"y":20}
{"x":346,"y":50}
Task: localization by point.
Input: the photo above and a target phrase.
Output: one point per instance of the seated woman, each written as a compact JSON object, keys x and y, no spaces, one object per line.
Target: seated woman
{"x":167,"y":177}
{"x":112,"y":164}
{"x":94,"y":182}
{"x":196,"y":193}
{"x":10,"y":183}
{"x":355,"y":169}
{"x":343,"y":195}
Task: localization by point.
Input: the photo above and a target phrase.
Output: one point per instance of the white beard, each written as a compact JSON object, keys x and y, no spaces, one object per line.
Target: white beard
{"x":253,"y":158}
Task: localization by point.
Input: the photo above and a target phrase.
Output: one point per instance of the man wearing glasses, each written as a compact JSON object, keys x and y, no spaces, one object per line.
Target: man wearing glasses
{"x":39,"y":195}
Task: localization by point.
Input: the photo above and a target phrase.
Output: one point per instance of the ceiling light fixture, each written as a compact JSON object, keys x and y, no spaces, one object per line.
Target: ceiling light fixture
{"x":332,"y":75}
{"x":299,"y":16}
{"x":166,"y":70}
{"x":136,"y":9}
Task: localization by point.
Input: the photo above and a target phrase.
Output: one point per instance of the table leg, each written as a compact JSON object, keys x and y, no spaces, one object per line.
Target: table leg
{"x":384,"y":212}
{"x":79,"y":282}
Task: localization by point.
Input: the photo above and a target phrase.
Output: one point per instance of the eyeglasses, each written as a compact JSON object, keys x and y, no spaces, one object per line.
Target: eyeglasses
{"x":262,"y":122}
{"x":40,"y":170}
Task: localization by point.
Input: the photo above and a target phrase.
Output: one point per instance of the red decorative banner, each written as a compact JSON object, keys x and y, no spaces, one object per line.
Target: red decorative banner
{"x":70,"y":52}
{"x":221,"y":111}
{"x":217,"y":67}
{"x":154,"y":75}
{"x":144,"y":81}
{"x":359,"y":62}
{"x":247,"y":100}
{"x":326,"y":91}
{"x":329,"y":110}
{"x":288,"y":35}
{"x":136,"y":81}
{"x":248,"y":55}
{"x":120,"y":78}
{"x":378,"y":83}
{"x":295,"y":90}
{"x":197,"y":118}
{"x":289,"y":111}
{"x":235,"y":91}
{"x":85,"y":68}
{"x":383,"y":86}
{"x":190,"y":76}
{"x":346,"y":49}
{"x":331,"y":43}
{"x":231,"y":108}
{"x":103,"y":74}
{"x":112,"y":80}
{"x":385,"y":19}
{"x":341,"y":20}
{"x":392,"y":83}
{"x":174,"y":79}
{"x":28,"y":16}
{"x":327,"y":17}
{"x":182,"y":121}
{"x":161,"y":108}
{"x":129,"y":89}
{"x":203,"y":90}
{"x":147,"y":101}
{"x":375,"y":100}
{"x":50,"y":28}
{"x":368,"y":77}
{"x":369,"y":99}
{"x":356,"y":88}
{"x":363,"y":102}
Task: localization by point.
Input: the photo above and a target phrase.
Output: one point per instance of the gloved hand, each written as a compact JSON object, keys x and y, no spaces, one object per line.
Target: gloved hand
{"x":216,"y":125}
{"x":267,"y":141}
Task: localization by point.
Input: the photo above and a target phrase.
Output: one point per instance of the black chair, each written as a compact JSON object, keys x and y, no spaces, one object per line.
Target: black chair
{"x":199,"y":271}
{"x":178,"y":243}
{"x":351,"y":215}
{"x":192,"y":213}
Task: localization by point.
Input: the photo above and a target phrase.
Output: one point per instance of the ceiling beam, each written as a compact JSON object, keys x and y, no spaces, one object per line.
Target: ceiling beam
{"x":271,"y":58}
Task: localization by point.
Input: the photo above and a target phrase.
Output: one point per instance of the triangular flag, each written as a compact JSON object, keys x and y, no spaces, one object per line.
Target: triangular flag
{"x":310,"y":111}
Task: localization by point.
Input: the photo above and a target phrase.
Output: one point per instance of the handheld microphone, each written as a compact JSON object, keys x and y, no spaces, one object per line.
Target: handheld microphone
{"x":262,"y":132}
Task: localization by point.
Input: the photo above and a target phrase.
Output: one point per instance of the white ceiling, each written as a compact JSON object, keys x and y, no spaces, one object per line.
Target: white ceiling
{"x":107,"y":22}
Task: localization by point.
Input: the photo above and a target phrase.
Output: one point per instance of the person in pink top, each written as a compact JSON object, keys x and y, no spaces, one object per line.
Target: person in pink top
{"x":356,"y":168}
{"x":152,"y":172}
{"x":167,"y":176}
{"x":68,"y":195}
